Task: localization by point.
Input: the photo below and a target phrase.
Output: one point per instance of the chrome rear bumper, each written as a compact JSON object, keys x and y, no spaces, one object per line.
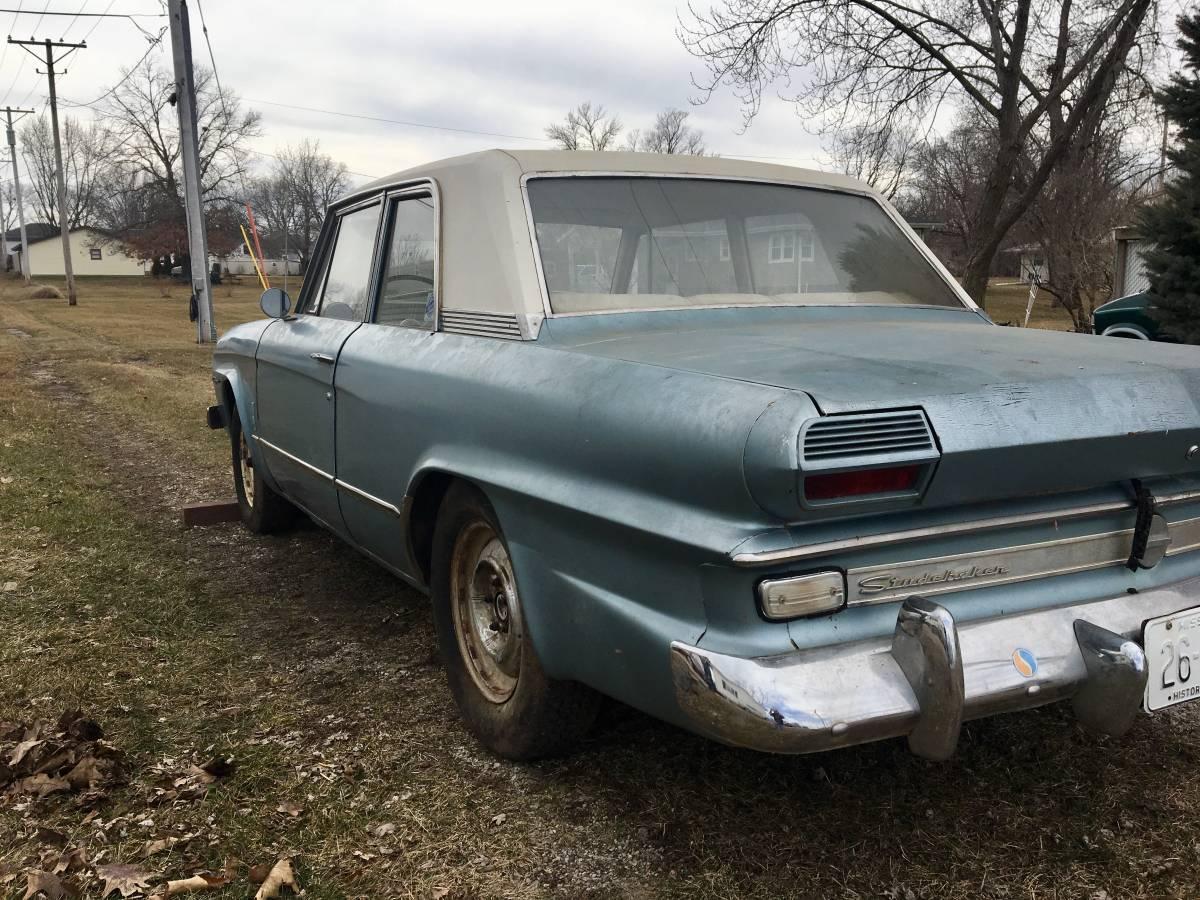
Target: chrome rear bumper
{"x":930,"y":676}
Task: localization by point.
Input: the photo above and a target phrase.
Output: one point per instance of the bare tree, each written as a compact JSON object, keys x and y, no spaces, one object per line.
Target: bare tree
{"x":141,"y":112}
{"x":143,"y":205}
{"x":1032,"y":68}
{"x":586,"y":127}
{"x":1095,"y":187}
{"x":883,"y":156}
{"x":672,"y":134}
{"x":948,"y":177}
{"x":292,"y":198}
{"x":87,"y":151}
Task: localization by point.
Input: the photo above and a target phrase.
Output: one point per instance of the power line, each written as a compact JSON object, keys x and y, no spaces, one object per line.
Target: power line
{"x":86,"y":15}
{"x":71,"y":24}
{"x":4,"y":54}
{"x":408,"y":124}
{"x":111,"y":4}
{"x":153,"y":43}
{"x":280,"y":159}
{"x":42,"y":16}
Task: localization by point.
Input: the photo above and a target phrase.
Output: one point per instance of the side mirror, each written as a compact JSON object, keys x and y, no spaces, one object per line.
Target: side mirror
{"x":275,"y":303}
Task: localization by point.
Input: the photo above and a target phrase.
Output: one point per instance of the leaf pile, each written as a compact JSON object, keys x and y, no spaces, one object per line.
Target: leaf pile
{"x":68,"y":757}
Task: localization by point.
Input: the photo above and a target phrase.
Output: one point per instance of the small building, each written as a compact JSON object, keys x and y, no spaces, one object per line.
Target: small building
{"x":1129,"y":269}
{"x":92,"y":253}
{"x":35,"y":231}
{"x":277,"y":261}
{"x":1032,"y":265}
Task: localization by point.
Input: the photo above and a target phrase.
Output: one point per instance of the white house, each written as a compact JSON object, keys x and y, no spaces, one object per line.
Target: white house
{"x":92,"y":253}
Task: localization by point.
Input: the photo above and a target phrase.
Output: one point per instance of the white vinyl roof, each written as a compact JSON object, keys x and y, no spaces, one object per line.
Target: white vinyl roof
{"x":487,"y":256}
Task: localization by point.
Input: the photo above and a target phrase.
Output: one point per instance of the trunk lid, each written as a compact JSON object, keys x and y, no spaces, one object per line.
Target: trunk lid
{"x":1015,"y":411}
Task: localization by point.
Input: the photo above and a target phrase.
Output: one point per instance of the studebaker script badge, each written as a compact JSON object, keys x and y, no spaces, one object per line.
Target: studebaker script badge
{"x":890,"y":582}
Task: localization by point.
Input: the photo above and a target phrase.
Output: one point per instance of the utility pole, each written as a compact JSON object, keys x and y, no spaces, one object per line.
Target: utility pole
{"x":12,"y":148}
{"x":185,"y":91}
{"x":64,"y":226}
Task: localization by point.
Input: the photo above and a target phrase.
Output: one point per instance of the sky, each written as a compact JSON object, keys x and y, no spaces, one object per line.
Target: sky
{"x":506,"y":68}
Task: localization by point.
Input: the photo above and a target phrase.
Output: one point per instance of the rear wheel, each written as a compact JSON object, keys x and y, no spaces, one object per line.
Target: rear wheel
{"x":505,"y":697}
{"x":263,"y":511}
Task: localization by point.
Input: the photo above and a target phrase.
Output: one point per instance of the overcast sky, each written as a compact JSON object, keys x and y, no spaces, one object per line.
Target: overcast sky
{"x":507,"y":68}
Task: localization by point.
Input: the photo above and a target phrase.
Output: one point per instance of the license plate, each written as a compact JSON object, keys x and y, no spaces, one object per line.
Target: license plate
{"x":1172,"y":645}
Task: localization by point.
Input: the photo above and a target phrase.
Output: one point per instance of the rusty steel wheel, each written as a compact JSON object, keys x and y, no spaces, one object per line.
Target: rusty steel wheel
{"x":246,"y":465}
{"x":263,"y":510}
{"x":496,"y":675}
{"x":487,"y":611}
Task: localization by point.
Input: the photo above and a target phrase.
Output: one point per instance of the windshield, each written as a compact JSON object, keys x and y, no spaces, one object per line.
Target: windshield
{"x":617,"y":243}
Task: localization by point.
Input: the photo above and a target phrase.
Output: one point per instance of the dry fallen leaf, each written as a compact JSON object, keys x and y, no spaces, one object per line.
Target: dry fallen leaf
{"x":159,"y":846}
{"x":32,"y":737}
{"x":499,"y":819}
{"x":70,"y":861}
{"x":383,"y":830}
{"x":127,"y":879}
{"x":281,"y":877}
{"x":201,"y":881}
{"x":439,"y":892}
{"x":10,"y":586}
{"x":46,"y":883}
{"x":258,"y":874}
{"x":42,"y":785}
{"x":290,"y":809}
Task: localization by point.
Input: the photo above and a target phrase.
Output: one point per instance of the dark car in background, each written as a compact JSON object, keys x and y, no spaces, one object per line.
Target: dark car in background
{"x":1130,"y":317}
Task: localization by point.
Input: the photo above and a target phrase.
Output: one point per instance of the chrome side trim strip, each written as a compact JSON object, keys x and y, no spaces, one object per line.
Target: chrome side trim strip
{"x":370,"y":498}
{"x":337,"y":482}
{"x":889,"y":539}
{"x":320,"y":473}
{"x":870,"y":585}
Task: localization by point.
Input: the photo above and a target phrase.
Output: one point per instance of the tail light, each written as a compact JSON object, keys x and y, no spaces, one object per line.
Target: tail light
{"x":862,"y":483}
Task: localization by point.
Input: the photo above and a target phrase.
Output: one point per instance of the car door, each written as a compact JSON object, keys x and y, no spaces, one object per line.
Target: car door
{"x":385,"y":395}
{"x":297,"y":359}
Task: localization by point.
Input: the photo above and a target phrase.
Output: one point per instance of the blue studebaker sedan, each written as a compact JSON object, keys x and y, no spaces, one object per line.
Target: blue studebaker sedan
{"x":725,"y":442}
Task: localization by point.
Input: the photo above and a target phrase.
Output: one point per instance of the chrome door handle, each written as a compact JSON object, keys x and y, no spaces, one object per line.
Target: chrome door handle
{"x":322,"y":358}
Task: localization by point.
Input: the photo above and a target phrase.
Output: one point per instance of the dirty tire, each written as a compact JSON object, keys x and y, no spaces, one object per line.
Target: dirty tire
{"x":263,"y":511}
{"x":502,"y":692}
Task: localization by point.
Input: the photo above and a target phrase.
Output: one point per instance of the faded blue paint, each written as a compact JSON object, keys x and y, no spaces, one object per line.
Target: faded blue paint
{"x":629,"y":455}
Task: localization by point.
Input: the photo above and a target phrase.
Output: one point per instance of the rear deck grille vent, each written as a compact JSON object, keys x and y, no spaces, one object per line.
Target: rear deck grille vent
{"x":853,"y":437}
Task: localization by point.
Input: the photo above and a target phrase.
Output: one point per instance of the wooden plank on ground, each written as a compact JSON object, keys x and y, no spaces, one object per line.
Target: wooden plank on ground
{"x":214,"y":512}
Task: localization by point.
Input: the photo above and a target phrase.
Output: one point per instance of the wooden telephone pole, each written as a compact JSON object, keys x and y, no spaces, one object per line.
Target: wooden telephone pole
{"x":64,"y":226}
{"x":12,"y":149}
{"x":185,"y":90}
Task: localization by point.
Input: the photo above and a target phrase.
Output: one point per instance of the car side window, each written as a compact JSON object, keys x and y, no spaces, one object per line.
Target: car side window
{"x":347,"y":288}
{"x":408,"y":292}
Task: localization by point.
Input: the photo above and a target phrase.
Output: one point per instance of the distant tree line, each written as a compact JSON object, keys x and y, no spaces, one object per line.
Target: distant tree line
{"x":124,"y":173}
{"x":592,"y":127}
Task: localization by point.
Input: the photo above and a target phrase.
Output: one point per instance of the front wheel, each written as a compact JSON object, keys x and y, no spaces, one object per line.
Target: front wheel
{"x":263,"y":511}
{"x":497,"y":680}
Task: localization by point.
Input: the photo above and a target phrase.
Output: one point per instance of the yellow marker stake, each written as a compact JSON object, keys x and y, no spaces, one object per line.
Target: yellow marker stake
{"x":253,"y":258}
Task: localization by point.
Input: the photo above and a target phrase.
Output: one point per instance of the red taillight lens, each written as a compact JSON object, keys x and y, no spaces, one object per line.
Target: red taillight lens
{"x":857,"y":484}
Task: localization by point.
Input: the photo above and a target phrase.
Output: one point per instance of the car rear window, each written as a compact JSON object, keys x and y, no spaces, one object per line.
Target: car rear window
{"x":624,"y":243}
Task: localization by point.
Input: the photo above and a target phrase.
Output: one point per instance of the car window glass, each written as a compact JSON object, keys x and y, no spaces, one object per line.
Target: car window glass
{"x":347,"y":283}
{"x":407,"y":296}
{"x":611,"y":243}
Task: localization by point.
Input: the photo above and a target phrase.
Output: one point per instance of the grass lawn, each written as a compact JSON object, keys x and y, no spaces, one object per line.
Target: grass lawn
{"x":317,"y":673}
{"x":1006,"y":302}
